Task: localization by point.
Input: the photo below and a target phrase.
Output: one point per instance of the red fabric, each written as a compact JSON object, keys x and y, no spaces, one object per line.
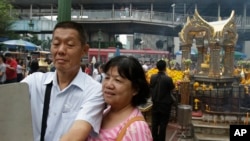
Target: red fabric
{"x":11,"y":74}
{"x":197,"y":114}
{"x":87,"y":70}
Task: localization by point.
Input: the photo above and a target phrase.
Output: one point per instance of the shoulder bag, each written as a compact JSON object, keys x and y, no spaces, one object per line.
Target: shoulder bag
{"x":124,"y":129}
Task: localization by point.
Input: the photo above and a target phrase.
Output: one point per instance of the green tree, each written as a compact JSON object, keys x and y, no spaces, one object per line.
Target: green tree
{"x":6,"y":18}
{"x":45,"y":44}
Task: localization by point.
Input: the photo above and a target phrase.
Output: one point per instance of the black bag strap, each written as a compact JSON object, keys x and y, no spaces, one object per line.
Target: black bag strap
{"x":45,"y":110}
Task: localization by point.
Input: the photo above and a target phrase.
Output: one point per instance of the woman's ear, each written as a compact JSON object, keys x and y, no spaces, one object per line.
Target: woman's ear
{"x":135,"y":92}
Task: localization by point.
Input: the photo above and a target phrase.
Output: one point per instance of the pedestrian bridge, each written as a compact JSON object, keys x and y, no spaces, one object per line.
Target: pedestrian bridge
{"x":45,"y":24}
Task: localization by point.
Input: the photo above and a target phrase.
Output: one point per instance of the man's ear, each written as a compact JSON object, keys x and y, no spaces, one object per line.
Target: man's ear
{"x":85,"y":50}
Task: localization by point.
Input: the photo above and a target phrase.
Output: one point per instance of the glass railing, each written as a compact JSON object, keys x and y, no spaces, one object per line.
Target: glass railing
{"x":167,"y":19}
{"x":38,"y":25}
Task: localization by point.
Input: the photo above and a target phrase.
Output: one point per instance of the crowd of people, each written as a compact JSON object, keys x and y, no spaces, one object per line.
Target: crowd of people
{"x":14,"y":69}
{"x":99,"y":104}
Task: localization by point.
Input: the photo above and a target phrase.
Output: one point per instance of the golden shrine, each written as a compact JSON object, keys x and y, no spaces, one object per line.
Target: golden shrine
{"x":211,"y":39}
{"x":215,"y":93}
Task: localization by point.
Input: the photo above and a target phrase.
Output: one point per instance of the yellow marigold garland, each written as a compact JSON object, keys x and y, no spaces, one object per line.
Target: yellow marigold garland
{"x":176,"y":75}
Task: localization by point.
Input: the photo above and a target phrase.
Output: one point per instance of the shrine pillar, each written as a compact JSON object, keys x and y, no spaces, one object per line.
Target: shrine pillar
{"x":228,"y":60}
{"x":186,"y":49}
{"x":214,"y":70}
{"x":201,"y":51}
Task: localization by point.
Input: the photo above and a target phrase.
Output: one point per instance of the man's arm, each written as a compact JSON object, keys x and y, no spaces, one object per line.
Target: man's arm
{"x":79,"y":131}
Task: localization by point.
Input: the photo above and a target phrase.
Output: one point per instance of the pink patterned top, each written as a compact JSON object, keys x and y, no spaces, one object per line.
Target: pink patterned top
{"x":137,"y":131}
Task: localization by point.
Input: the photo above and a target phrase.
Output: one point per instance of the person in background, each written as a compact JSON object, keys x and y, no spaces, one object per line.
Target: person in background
{"x":95,"y":70}
{"x":51,"y":66}
{"x":27,"y":64}
{"x":34,"y":66}
{"x":87,"y":69}
{"x":124,"y":88}
{"x":101,"y":75}
{"x":76,"y":101}
{"x":83,"y":66}
{"x":11,"y":66}
{"x":2,"y":69}
{"x":145,"y":67}
{"x":20,"y":70}
{"x":161,"y":86}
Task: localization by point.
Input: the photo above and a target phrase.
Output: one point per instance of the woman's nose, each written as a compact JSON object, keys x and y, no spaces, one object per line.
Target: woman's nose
{"x":108,"y":83}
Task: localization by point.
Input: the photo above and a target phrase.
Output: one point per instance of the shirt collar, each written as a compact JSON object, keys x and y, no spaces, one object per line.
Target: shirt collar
{"x":77,"y":81}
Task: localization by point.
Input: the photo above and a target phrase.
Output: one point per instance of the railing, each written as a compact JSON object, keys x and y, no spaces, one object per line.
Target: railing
{"x":38,"y":25}
{"x":153,"y":17}
{"x":223,"y":99}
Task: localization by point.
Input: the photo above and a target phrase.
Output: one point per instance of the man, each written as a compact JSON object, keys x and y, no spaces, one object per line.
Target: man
{"x":76,"y":102}
{"x":161,"y":86}
{"x":11,"y":66}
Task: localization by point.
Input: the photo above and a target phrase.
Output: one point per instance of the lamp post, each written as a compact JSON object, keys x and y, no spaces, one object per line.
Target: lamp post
{"x":173,"y":6}
{"x":31,"y":25}
{"x":99,"y":44}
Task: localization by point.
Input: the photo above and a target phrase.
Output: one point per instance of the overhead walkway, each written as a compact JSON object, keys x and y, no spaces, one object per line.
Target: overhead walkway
{"x":137,"y":19}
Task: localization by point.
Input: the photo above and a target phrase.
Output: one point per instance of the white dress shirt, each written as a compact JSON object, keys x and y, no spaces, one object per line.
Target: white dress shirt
{"x":81,"y":100}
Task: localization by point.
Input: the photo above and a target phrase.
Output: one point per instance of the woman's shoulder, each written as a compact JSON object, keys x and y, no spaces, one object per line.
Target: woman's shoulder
{"x":138,"y":129}
{"x":136,"y":117}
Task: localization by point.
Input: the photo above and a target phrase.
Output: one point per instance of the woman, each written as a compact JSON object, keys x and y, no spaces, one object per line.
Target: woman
{"x":124,"y":88}
{"x":101,"y":75}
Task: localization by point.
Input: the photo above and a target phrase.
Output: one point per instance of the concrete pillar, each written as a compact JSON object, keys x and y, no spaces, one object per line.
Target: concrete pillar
{"x":151,"y":10}
{"x":130,"y":9}
{"x":81,"y":11}
{"x":244,"y":16}
{"x":31,"y":13}
{"x":219,"y":12}
{"x":113,"y":10}
{"x":64,"y":10}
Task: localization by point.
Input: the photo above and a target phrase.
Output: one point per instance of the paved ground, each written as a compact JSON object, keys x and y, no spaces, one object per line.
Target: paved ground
{"x":174,"y":133}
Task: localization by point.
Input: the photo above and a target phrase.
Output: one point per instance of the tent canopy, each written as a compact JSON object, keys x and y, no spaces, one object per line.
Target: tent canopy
{"x":14,"y":44}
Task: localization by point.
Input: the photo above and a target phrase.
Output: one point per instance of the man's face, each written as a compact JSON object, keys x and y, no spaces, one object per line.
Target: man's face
{"x":67,"y":50}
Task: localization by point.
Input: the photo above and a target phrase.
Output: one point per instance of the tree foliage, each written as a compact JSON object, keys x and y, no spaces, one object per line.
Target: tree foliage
{"x":6,"y":18}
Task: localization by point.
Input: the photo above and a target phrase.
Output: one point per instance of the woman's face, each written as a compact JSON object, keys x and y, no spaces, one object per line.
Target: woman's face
{"x":117,"y":91}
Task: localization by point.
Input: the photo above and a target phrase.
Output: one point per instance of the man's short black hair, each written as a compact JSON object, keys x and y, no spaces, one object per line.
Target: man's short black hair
{"x":161,"y":65}
{"x":7,"y":55}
